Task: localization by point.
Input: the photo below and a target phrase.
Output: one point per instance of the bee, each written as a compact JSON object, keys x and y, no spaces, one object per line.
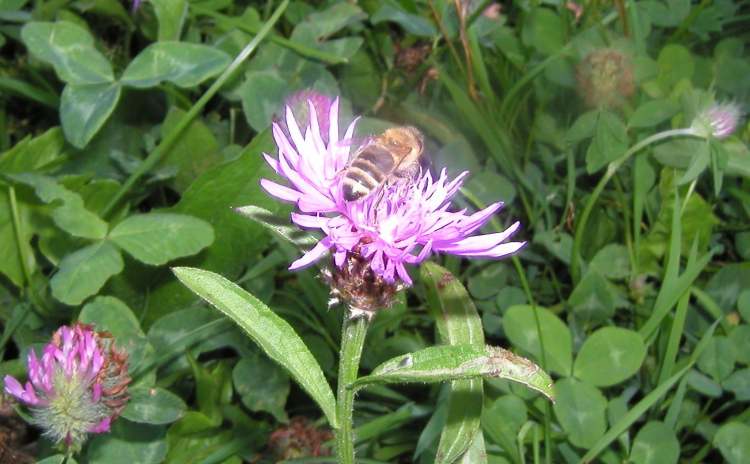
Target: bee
{"x":391,"y":156}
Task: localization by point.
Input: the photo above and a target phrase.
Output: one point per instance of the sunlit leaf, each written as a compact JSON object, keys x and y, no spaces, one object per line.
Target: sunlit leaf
{"x":184,"y":64}
{"x":274,"y":335}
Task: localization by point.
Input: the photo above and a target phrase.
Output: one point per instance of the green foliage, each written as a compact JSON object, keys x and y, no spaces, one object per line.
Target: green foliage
{"x":132,"y":141}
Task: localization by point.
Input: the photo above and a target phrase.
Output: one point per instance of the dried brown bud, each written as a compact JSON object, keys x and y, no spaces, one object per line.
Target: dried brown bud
{"x":605,"y":78}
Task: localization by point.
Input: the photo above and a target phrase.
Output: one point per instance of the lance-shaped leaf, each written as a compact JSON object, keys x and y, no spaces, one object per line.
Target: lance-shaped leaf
{"x":278,"y":226}
{"x":458,"y":323}
{"x":272,"y":333}
{"x":458,"y":362}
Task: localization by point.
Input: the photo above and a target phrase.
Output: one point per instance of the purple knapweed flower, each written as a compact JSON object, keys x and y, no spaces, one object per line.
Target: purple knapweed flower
{"x":79,"y":386}
{"x":372,"y":239}
{"x":719,"y":121}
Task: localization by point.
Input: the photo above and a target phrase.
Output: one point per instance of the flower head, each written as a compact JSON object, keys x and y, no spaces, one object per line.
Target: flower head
{"x":372,"y":239}
{"x":299,"y":439}
{"x":605,"y":78}
{"x":719,"y":121}
{"x":79,"y":386}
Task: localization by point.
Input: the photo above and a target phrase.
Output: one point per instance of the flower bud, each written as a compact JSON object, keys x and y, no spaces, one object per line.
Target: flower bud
{"x":299,"y":103}
{"x":719,"y":121}
{"x":299,"y":439}
{"x":605,"y":78}
{"x":79,"y":386}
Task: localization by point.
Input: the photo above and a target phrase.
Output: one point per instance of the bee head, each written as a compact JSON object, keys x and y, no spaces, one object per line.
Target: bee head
{"x":404,"y":139}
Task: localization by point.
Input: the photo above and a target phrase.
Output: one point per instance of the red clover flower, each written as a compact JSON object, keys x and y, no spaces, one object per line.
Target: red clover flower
{"x":79,"y":386}
{"x":371,"y":239}
{"x":718,"y":120}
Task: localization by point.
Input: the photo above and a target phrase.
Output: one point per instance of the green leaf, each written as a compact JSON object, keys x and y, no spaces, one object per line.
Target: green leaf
{"x":520,"y":326}
{"x":319,"y":26}
{"x":33,"y":154}
{"x":609,"y":143}
{"x":718,"y":359}
{"x":153,"y":405}
{"x":743,"y":304}
{"x":592,"y":300}
{"x":82,"y":273}
{"x":733,"y":440}
{"x":184,"y":64}
{"x":653,"y":113}
{"x":112,"y":315}
{"x":72,"y":216}
{"x":580,"y":408}
{"x":212,"y":198}
{"x":171,"y":15}
{"x":85,"y":108}
{"x":128,"y":443}
{"x":655,"y":443}
{"x":609,"y":356}
{"x":458,"y":323}
{"x":413,"y":24}
{"x":157,"y":238}
{"x":273,"y":75}
{"x":455,"y":362}
{"x":740,"y":337}
{"x":274,"y":335}
{"x":193,"y":154}
{"x":262,"y":385}
{"x":56,"y":459}
{"x":612,"y":261}
{"x":583,"y":127}
{"x":698,"y":163}
{"x":11,"y":264}
{"x":69,"y":49}
{"x":502,"y":420}
{"x":739,"y":384}
{"x":675,"y":63}
{"x":543,"y":30}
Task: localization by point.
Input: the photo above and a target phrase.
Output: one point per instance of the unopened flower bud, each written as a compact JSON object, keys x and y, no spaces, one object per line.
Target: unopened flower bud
{"x":78,"y":387}
{"x":300,"y":103}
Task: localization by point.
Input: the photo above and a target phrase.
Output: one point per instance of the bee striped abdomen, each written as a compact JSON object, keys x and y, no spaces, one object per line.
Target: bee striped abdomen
{"x":367,"y":171}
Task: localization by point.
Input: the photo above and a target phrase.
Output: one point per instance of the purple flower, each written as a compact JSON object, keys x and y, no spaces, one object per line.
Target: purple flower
{"x":79,"y":386}
{"x":398,"y":224}
{"x":719,"y":120}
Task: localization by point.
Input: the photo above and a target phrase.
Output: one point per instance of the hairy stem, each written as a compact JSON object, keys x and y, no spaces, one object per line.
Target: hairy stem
{"x":353,"y":335}
{"x":169,"y":140}
{"x":611,"y":170}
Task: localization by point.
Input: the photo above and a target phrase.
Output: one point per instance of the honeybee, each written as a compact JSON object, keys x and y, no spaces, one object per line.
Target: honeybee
{"x":393,"y":155}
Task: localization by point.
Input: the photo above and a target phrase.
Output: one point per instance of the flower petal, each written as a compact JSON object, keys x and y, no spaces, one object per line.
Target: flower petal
{"x":313,"y":255}
{"x":279,"y":191}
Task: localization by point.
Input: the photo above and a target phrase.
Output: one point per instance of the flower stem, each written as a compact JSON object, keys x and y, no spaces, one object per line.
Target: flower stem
{"x":611,"y":170}
{"x":169,"y":140}
{"x":353,"y":335}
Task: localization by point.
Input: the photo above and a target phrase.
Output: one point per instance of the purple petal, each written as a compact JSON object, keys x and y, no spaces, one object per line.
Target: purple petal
{"x":102,"y":427}
{"x":279,"y":191}
{"x":13,"y":387}
{"x":312,"y":222}
{"x":313,"y":255}
{"x":333,"y":117}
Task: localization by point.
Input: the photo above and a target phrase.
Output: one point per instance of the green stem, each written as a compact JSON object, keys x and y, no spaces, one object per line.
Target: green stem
{"x":611,"y":170}
{"x":353,"y":335}
{"x":155,"y":156}
{"x":530,"y":297}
